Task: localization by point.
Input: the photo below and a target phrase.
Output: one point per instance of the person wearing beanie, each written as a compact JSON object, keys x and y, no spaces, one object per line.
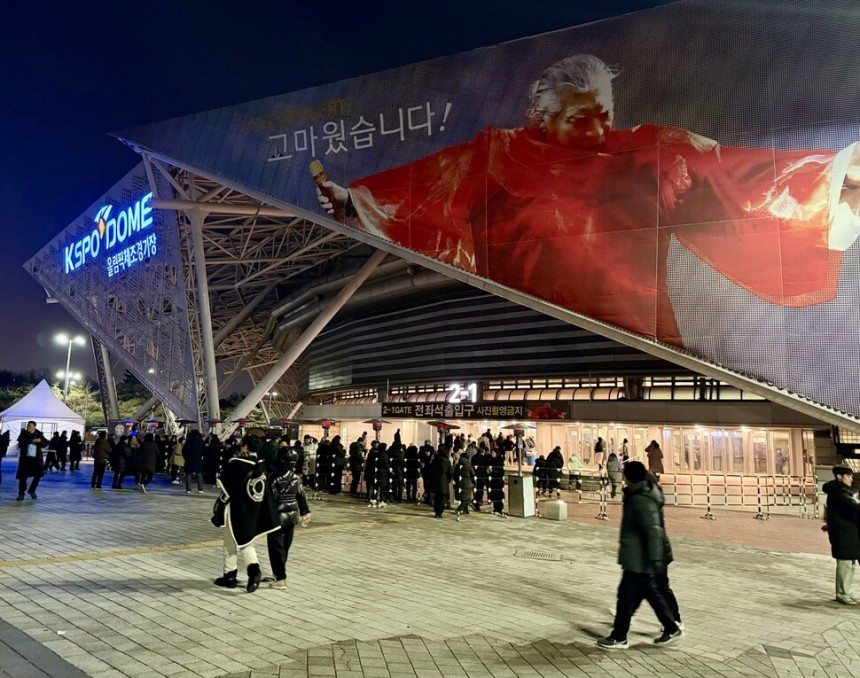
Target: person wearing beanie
{"x":644,"y":555}
{"x":842,"y":519}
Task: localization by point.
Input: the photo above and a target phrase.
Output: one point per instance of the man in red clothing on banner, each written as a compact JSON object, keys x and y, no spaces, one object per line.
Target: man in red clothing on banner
{"x":578,"y":214}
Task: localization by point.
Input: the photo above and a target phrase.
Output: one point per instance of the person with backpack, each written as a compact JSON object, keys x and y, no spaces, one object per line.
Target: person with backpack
{"x":292,"y":506}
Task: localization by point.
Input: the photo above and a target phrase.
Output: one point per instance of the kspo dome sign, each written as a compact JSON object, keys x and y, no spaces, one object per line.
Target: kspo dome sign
{"x":112,"y":232}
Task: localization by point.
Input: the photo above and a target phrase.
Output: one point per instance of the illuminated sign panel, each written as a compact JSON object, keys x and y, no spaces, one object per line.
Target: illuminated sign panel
{"x":112,"y":231}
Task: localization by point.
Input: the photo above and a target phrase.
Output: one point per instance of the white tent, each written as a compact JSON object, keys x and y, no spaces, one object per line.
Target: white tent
{"x":46,"y":409}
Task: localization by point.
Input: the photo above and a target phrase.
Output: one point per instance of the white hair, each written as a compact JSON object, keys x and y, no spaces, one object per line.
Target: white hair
{"x":581,"y":73}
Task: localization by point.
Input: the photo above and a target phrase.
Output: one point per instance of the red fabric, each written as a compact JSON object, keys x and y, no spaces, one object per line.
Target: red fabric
{"x":590,"y":231}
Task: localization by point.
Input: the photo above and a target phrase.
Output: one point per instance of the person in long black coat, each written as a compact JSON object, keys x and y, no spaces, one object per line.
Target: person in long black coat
{"x":30,"y":462}
{"x":843,"y":516}
{"x":325,"y":466}
{"x":356,"y":466}
{"x":425,"y":455}
{"x":382,"y":475}
{"x":539,"y":474}
{"x":481,"y":464}
{"x":120,"y":460}
{"x":411,"y":473}
{"x":76,"y":448}
{"x":338,"y":463}
{"x":147,"y":455}
{"x":192,"y":453}
{"x":440,"y":475}
{"x":464,"y":481}
{"x":398,"y":461}
{"x":211,"y":459}
{"x":497,"y":482}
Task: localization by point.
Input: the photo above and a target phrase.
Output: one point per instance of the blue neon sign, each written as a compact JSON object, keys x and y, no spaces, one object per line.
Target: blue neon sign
{"x":110,"y":232}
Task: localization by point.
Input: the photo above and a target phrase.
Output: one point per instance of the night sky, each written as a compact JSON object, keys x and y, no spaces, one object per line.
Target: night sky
{"x":74,"y":72}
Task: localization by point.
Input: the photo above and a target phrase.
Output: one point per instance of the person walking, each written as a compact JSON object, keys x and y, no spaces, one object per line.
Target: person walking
{"x":120,"y":461}
{"x":289,"y":495}
{"x":30,"y":463}
{"x":76,"y":448}
{"x":644,"y":555}
{"x":398,"y":463}
{"x":192,"y":453}
{"x":245,"y":510}
{"x":101,"y":458}
{"x":177,"y":461}
{"x":440,"y":478}
{"x":147,"y":455}
{"x":51,"y":459}
{"x":842,"y":516}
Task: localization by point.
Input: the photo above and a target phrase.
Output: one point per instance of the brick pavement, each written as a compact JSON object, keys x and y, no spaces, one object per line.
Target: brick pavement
{"x":119,"y":584}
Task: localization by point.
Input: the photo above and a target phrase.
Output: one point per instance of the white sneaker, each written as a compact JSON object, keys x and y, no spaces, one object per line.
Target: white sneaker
{"x":143,"y":489}
{"x":382,"y":504}
{"x":187,"y":491}
{"x":174,"y":482}
{"x":201,"y":491}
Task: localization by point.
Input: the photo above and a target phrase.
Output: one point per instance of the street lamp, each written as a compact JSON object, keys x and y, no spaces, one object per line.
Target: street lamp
{"x":66,"y":339}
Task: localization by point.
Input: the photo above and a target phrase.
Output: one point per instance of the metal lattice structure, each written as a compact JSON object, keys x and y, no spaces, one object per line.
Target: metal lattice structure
{"x":130,"y":297}
{"x":253,"y":255}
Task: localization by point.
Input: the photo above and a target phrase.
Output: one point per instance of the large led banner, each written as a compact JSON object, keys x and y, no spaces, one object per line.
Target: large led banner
{"x":689,"y":173}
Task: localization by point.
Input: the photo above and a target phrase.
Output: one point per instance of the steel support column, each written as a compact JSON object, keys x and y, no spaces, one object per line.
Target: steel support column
{"x":293,"y":352}
{"x":113,"y":401}
{"x":211,"y":376}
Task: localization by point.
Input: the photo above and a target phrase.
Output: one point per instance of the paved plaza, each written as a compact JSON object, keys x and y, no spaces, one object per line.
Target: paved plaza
{"x":116,"y":583}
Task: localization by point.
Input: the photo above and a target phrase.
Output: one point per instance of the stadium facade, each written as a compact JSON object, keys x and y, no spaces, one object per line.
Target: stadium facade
{"x":676,"y":260}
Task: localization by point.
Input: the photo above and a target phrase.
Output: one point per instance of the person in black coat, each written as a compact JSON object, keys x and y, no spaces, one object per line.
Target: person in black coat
{"x":325,"y":466}
{"x":440,"y":475}
{"x":411,"y":473}
{"x":147,"y":455}
{"x":843,"y":521}
{"x":63,"y":450}
{"x":425,"y":455}
{"x":76,"y":448}
{"x":192,"y":453}
{"x":338,"y":462}
{"x":497,"y":481}
{"x":30,"y":444}
{"x":211,"y":459}
{"x":397,"y":457}
{"x":120,"y":460}
{"x":481,"y":464}
{"x":539,"y":474}
{"x":554,"y":464}
{"x":382,"y":475}
{"x":287,"y":490}
{"x":51,"y":455}
{"x":356,"y":466}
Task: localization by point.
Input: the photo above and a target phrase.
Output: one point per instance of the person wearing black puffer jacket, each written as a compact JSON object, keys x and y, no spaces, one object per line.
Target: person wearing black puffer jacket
{"x":843,"y":515}
{"x":411,"y":473}
{"x":355,"y":465}
{"x":644,"y":555}
{"x":292,"y":505}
